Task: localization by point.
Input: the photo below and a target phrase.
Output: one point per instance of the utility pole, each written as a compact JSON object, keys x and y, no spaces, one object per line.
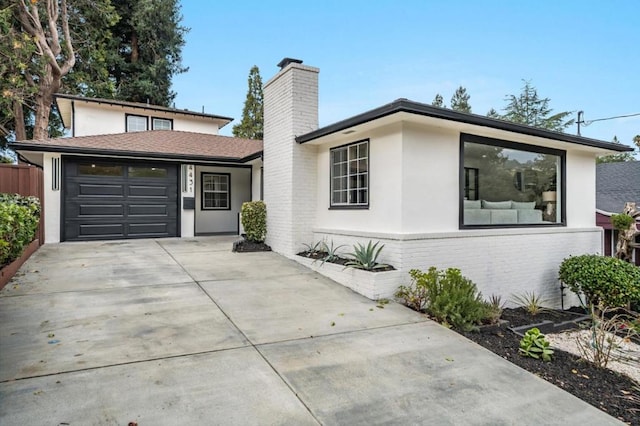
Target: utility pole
{"x":579,"y":120}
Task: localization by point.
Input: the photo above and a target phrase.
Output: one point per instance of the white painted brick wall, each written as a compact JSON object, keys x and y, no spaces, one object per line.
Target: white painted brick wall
{"x":290,"y":110}
{"x":501,"y":262}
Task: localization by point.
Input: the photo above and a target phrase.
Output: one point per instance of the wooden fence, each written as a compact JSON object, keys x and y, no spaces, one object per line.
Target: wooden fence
{"x":24,"y":180}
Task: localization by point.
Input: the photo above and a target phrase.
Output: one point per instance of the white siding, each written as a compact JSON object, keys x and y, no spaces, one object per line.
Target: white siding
{"x":52,"y":199}
{"x":222,"y":221}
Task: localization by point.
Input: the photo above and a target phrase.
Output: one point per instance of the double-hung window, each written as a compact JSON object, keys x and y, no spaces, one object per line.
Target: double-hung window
{"x":136,"y":123}
{"x":216,"y":191}
{"x":161,"y":124}
{"x":350,"y":175}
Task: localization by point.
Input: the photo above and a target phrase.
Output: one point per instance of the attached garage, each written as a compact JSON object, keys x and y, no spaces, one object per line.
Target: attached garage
{"x":106,"y":199}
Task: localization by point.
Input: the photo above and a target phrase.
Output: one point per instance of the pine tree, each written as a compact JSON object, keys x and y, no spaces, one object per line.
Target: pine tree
{"x":460,"y":100}
{"x":493,"y":114}
{"x":615,"y":158}
{"x":147,"y":50}
{"x":438,"y":101}
{"x":251,"y":126}
{"x":528,"y":108}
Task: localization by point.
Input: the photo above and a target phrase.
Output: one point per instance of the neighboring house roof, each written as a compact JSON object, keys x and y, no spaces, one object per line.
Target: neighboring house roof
{"x":154,"y":144}
{"x":64,"y":106}
{"x":406,"y":106}
{"x":617,"y":184}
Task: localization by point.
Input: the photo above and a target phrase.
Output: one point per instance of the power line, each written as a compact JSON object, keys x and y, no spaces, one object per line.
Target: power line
{"x":586,"y":123}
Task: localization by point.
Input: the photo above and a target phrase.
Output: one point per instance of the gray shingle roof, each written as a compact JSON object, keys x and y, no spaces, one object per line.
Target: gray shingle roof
{"x":616,"y":184}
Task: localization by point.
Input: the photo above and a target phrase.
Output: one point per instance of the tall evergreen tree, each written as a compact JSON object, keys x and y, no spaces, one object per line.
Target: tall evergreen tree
{"x":251,"y":126}
{"x":149,"y":41}
{"x":493,"y":113}
{"x":528,"y":108}
{"x":615,"y":158}
{"x":438,"y":101}
{"x":460,"y":100}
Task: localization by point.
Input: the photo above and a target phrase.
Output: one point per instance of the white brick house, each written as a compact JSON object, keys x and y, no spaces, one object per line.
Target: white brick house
{"x":505,"y":203}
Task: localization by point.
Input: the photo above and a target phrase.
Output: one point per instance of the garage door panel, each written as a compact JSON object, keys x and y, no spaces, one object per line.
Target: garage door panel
{"x":148,"y":191}
{"x":140,"y":202}
{"x":100,"y":190}
{"x":159,"y":229}
{"x":99,"y":210}
{"x":102,"y":230}
{"x":148,"y":210}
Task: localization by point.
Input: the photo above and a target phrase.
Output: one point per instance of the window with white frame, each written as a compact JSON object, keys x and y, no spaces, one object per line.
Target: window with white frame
{"x":161,"y":124}
{"x":136,"y":123}
{"x":216,"y":191}
{"x":350,"y":175}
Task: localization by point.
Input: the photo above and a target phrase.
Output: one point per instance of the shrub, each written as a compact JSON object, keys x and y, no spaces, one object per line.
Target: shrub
{"x":366,"y":257}
{"x":447,"y":296}
{"x":622,"y":221}
{"x":19,"y":218}
{"x":254,"y":220}
{"x":603,"y":280}
{"x":534,"y":345}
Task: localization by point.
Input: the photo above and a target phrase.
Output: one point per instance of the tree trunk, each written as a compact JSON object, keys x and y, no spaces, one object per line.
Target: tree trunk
{"x":18,"y":117}
{"x":49,"y":85}
{"x":135,"y":52}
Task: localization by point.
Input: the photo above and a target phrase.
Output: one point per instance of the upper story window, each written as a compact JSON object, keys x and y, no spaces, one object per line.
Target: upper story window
{"x":350,"y":175}
{"x":136,"y":123}
{"x":161,"y":124}
{"x":510,"y":184}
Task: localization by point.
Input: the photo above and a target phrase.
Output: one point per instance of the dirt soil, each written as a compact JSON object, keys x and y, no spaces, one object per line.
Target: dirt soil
{"x":245,"y":246}
{"x":320,"y":255}
{"x":611,"y":392}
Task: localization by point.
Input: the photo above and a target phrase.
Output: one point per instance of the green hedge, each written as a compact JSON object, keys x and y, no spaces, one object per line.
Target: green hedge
{"x":254,"y":220}
{"x":19,"y":217}
{"x":603,"y":280}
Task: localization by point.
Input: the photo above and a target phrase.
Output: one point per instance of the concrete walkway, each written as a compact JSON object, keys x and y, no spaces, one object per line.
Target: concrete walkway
{"x":168,"y":332}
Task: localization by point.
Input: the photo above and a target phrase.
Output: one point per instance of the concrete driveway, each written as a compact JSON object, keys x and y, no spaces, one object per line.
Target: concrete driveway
{"x":182,"y":331}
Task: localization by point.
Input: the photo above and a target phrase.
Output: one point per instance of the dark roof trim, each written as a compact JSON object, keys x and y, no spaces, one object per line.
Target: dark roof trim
{"x":142,"y":106}
{"x":405,"y":105}
{"x":119,"y":153}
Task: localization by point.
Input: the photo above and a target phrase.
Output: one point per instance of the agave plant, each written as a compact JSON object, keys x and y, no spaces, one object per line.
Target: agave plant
{"x":331,"y":252}
{"x":366,"y":257}
{"x":313,"y":249}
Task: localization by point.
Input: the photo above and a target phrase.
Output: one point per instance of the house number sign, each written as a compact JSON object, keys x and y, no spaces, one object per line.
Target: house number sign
{"x":190,"y":179}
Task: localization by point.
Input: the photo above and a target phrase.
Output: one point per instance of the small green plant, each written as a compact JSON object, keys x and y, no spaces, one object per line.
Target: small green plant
{"x":605,"y":281}
{"x":531,"y":302}
{"x":494,"y":308}
{"x":622,"y":221}
{"x":313,"y":249}
{"x":331,"y":252}
{"x":366,"y":257}
{"x":254,"y":220}
{"x":447,"y":296}
{"x":534,"y":345}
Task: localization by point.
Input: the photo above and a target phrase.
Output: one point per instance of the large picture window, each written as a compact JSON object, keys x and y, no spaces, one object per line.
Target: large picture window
{"x":216,"y":191}
{"x":510,"y":184}
{"x":350,"y":175}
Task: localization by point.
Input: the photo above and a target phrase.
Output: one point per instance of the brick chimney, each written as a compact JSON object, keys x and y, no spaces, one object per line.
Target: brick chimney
{"x":290,"y":110}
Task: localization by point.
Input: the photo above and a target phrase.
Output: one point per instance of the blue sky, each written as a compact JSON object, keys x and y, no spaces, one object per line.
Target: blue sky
{"x":581,"y":55}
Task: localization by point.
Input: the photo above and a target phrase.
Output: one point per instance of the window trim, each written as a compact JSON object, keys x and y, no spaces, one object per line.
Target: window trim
{"x":350,"y":206}
{"x":170,"y":120}
{"x":562,"y":154}
{"x":126,"y":123}
{"x":202,"y":191}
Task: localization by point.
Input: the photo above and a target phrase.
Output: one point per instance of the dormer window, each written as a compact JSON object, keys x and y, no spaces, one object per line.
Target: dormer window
{"x":136,"y":123}
{"x":161,"y":124}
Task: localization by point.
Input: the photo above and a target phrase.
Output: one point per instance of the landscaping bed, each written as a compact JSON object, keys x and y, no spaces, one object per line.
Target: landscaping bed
{"x":321,"y":257}
{"x":607,"y":390}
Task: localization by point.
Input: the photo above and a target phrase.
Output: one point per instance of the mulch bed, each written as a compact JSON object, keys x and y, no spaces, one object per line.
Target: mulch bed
{"x":607,"y":390}
{"x":244,"y":246}
{"x":320,"y":255}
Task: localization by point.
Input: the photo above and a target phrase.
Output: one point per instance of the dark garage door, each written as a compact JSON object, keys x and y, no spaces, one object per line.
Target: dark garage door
{"x":112,"y":200}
